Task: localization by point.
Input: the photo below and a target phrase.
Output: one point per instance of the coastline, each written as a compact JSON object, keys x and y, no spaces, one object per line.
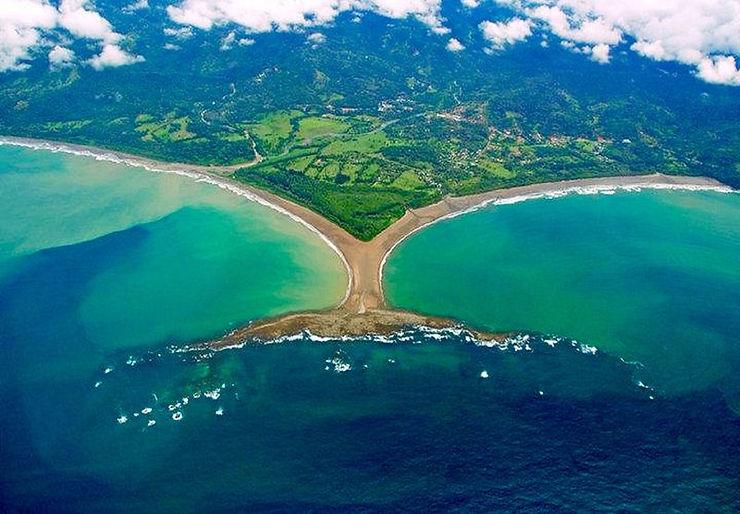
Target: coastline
{"x":363,"y":308}
{"x":210,"y":175}
{"x":461,"y":205}
{"x":335,"y":324}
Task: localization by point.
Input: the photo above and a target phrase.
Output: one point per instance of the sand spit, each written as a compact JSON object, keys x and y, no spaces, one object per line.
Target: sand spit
{"x":364,"y":308}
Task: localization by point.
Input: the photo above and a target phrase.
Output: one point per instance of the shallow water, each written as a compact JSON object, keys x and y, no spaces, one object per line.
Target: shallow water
{"x":103,"y":411}
{"x":137,"y":258}
{"x":649,"y":277}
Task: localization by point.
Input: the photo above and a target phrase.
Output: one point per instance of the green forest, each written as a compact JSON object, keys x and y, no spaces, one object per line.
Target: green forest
{"x":359,"y":131}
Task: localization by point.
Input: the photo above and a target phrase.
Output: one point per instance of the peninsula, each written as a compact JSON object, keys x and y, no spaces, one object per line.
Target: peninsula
{"x":364,"y":309}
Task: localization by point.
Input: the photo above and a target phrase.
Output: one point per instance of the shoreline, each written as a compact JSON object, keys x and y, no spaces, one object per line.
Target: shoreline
{"x":363,"y":308}
{"x":554,"y":190}
{"x":335,"y":324}
{"x":197,"y":173}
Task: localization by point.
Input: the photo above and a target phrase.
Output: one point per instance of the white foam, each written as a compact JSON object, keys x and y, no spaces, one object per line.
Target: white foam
{"x":151,"y":423}
{"x":644,"y":386}
{"x":551,"y":341}
{"x":213,"y":395}
{"x":146,"y":410}
{"x":122,"y":419}
{"x":406,"y":335}
{"x":177,"y":416}
{"x":220,"y":411}
{"x":340,"y":362}
{"x":584,"y":348}
{"x":484,"y":374}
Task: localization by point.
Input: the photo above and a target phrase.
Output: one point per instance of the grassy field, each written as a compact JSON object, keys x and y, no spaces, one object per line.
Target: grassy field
{"x":380,"y":117}
{"x":170,"y":129}
{"x":273,"y":131}
{"x":364,"y":178}
{"x":311,"y":127}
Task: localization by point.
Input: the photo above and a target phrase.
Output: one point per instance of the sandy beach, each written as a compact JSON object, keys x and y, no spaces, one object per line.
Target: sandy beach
{"x":364,"y":261}
{"x":367,"y":259}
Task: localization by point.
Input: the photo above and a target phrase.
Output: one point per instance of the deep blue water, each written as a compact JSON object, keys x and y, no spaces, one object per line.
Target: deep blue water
{"x":101,"y":411}
{"x":409,"y":427}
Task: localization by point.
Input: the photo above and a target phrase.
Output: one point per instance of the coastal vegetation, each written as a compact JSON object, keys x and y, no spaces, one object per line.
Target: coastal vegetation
{"x":381,"y":118}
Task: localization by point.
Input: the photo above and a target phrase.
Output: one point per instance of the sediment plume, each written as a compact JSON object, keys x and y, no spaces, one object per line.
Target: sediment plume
{"x":364,"y":308}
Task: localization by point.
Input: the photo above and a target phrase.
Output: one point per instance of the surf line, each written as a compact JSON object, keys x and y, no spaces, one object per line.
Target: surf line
{"x":563,"y":189}
{"x":363,"y":308}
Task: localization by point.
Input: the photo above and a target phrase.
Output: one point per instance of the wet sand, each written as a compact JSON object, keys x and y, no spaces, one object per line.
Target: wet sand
{"x":364,"y":308}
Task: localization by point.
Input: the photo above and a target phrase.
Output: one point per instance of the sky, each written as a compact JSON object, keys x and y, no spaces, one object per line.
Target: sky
{"x":702,"y":34}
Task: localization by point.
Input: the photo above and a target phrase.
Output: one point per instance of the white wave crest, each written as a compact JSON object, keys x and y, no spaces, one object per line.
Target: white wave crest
{"x":604,"y":189}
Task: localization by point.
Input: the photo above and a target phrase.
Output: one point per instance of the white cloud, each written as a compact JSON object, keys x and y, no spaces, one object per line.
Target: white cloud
{"x":453,"y":45}
{"x":592,"y":31}
{"x":654,"y":49}
{"x":228,"y":41}
{"x":136,"y":6}
{"x":719,"y":70}
{"x":700,"y":33}
{"x":85,"y":23}
{"x":292,"y":14}
{"x":27,"y":13}
{"x":501,"y":34}
{"x":600,"y":53}
{"x":60,"y":57}
{"x":113,"y":56}
{"x":245,"y":41}
{"x":179,"y":33}
{"x":15,"y":46}
{"x":316,"y":37}
{"x":704,"y":34}
{"x":21,"y":24}
{"x":28,"y":26}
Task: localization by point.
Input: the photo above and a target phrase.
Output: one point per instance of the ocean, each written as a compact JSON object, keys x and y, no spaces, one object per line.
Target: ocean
{"x":106,"y":272}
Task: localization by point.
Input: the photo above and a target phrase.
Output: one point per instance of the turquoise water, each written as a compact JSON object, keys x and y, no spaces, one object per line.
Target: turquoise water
{"x":125,"y":258}
{"x":650,"y":277}
{"x":106,"y":271}
{"x":163,"y":258}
